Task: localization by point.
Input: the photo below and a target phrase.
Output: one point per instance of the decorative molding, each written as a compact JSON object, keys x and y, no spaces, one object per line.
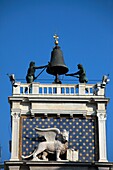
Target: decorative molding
{"x":91,"y":113}
{"x":71,"y":115}
{"x":101,"y":115}
{"x":42,"y":111}
{"x":15,"y":115}
{"x":58,"y":115}
{"x":45,"y":115}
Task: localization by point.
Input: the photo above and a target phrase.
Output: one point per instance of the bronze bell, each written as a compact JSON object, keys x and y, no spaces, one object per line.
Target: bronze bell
{"x":56,"y":66}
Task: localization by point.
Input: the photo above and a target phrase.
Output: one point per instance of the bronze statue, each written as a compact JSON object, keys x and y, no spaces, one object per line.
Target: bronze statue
{"x":30,"y":77}
{"x":81,"y":74}
{"x":31,"y":72}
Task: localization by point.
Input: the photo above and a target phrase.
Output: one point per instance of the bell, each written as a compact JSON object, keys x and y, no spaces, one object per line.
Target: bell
{"x":57,"y":65}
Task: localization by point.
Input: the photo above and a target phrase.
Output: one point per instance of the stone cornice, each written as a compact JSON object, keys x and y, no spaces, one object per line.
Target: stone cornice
{"x":54,"y":98}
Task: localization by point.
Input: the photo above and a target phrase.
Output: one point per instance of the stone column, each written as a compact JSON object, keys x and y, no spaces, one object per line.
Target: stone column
{"x":15,"y":136}
{"x":102,"y":136}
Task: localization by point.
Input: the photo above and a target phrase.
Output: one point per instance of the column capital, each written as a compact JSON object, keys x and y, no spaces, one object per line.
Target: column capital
{"x":15,"y":115}
{"x":101,"y":114}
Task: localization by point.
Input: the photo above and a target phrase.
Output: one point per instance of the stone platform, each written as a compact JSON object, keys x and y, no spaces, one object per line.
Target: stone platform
{"x":53,"y":165}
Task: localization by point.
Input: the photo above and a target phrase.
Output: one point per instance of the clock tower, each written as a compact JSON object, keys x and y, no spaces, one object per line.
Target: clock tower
{"x":43,"y":113}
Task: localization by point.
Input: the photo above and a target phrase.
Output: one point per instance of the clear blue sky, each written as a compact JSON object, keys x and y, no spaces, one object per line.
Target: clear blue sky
{"x":85,"y":28}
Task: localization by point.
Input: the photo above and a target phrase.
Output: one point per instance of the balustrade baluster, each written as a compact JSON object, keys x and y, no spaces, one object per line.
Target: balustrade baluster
{"x":42,"y":90}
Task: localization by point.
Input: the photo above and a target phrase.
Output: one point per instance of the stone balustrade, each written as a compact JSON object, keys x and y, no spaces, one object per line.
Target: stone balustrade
{"x":58,"y":89}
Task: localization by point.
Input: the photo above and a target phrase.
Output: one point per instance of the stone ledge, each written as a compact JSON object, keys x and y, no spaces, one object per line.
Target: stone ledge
{"x":53,"y":165}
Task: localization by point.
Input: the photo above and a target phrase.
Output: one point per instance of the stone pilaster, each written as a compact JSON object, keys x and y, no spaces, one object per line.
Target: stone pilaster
{"x":102,"y":135}
{"x":15,"y":136}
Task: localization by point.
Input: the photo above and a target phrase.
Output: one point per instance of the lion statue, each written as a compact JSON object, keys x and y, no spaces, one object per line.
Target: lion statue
{"x":56,"y":142}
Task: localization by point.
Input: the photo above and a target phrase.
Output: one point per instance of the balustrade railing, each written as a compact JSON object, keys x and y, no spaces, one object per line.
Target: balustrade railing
{"x":57,"y":89}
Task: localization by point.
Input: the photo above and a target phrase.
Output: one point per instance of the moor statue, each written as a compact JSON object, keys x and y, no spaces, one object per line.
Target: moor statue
{"x":81,"y":74}
{"x":56,"y":142}
{"x":30,"y":77}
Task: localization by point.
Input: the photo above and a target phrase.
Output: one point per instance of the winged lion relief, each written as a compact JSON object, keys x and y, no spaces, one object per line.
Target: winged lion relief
{"x":55,"y":142}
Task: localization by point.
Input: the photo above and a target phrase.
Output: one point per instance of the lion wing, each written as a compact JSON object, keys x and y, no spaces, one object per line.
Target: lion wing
{"x":48,"y":133}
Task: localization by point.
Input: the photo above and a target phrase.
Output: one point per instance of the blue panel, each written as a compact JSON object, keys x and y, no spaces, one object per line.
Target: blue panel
{"x":81,"y":134}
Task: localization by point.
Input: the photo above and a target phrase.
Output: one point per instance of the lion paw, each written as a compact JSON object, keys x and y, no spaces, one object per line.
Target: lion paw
{"x":58,"y":159}
{"x":35,"y":159}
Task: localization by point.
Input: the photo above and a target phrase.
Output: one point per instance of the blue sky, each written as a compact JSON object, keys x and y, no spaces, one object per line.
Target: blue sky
{"x":85,"y":28}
